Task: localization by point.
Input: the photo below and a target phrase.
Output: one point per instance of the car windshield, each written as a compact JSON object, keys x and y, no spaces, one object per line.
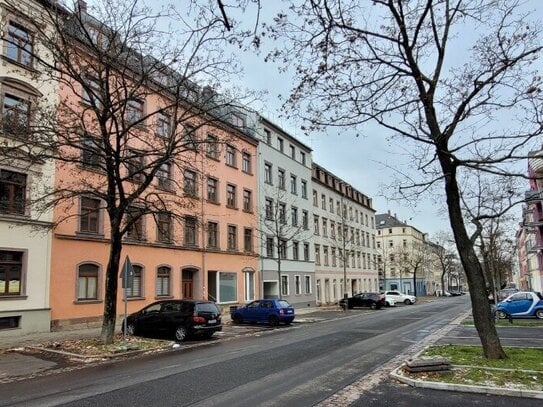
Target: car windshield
{"x":283,"y":304}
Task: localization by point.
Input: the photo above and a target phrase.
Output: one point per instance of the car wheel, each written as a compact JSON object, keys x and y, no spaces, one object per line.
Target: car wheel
{"x":131,"y":329}
{"x":539,"y":313}
{"x":181,"y":333}
{"x":373,"y":305}
{"x":274,"y":321}
{"x":501,"y":314}
{"x":237,"y":319}
{"x":407,"y":302}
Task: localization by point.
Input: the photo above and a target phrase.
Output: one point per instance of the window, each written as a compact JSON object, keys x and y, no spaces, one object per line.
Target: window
{"x":135,"y":225}
{"x":90,"y":152}
{"x":294,"y":216}
{"x":232,"y":237}
{"x":269,"y":209}
{"x":12,"y":192}
{"x":324,"y":227}
{"x":87,"y":282}
{"x":246,"y":163}
{"x":284,"y":285}
{"x":212,"y":185}
{"x":89,"y":220}
{"x":308,"y":285}
{"x":190,"y":231}
{"x":164,"y":175}
{"x":164,"y":227}
{"x":304,"y":189}
{"x":248,"y":240}
{"x":268,"y":173}
{"x":223,"y":286}
{"x":334,"y":257}
{"x":283,"y":249}
{"x":332,"y":229}
{"x":134,"y":111}
{"x":11,"y":272}
{"x":137,"y":283}
{"x":317,"y":255}
{"x":212,"y":144}
{"x":163,"y":281}
{"x":302,"y":157}
{"x":292,"y":152}
{"x":281,"y":179}
{"x":280,"y":144}
{"x":295,"y":251}
{"x":323,"y":201}
{"x":134,"y":165}
{"x":282,"y":213}
{"x":230,"y":156}
{"x":267,"y":135}
{"x":189,"y":137}
{"x":19,"y":44}
{"x":189,"y":185}
{"x":316,"y":226}
{"x":249,"y":285}
{"x":163,"y":124}
{"x":305,"y":219}
{"x":247,"y":200}
{"x":269,"y":247}
{"x":297,"y":285}
{"x":325,"y":254}
{"x":237,"y":120}
{"x":213,"y":235}
{"x":293,"y":184}
{"x":91,"y":92}
{"x":15,"y":114}
{"x":306,"y":251}
{"x":315,"y":198}
{"x":231,"y":196}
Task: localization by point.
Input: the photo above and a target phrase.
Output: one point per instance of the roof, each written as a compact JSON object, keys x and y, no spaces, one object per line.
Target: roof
{"x":386,"y":220}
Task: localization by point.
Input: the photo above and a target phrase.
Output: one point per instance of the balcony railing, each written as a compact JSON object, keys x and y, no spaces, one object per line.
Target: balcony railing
{"x":535,"y":162}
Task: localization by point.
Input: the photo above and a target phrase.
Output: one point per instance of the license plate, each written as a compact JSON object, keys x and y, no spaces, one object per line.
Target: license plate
{"x":212,"y":321}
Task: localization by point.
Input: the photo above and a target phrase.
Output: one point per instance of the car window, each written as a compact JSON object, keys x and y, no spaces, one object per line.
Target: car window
{"x":266,"y":304}
{"x":283,"y":303}
{"x":206,"y":307}
{"x":518,"y":297}
{"x":170,"y":307}
{"x":253,"y":304}
{"x":152,"y":308}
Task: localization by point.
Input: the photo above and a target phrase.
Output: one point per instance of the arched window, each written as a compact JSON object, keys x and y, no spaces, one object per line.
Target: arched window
{"x":137,"y":283}
{"x":87,"y":282}
{"x":163,"y":281}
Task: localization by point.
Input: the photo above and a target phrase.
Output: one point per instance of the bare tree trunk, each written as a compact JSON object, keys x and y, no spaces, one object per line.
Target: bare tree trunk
{"x":112,"y":282}
{"x":415,"y":282}
{"x":484,"y":323}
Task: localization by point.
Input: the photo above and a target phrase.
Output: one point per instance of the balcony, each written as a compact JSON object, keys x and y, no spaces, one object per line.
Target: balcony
{"x":535,"y":161}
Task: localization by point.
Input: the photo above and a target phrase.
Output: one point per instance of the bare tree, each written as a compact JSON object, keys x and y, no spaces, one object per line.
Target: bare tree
{"x":457,"y":102}
{"x":411,"y":260}
{"x":131,"y":103}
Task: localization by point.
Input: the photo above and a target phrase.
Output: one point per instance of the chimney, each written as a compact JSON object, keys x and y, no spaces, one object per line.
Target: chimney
{"x":82,"y":6}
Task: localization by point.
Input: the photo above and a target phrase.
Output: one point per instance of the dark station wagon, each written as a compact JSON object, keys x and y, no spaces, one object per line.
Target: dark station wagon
{"x":180,"y":319}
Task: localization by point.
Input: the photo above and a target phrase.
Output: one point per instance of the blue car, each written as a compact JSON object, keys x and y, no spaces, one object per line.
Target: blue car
{"x":523,"y":304}
{"x":272,"y":312}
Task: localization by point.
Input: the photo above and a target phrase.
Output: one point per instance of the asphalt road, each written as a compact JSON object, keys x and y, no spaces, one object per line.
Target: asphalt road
{"x":299,"y":366}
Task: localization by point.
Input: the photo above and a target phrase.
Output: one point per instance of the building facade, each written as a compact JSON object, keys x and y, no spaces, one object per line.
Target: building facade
{"x":285,"y":221}
{"x":345,"y":238}
{"x":403,"y":255}
{"x":25,"y":220}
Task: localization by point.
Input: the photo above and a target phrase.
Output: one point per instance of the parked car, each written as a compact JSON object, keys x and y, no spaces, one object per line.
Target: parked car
{"x":180,"y":319}
{"x":397,"y":296}
{"x":270,"y":311}
{"x":506,"y":292}
{"x":521,"y":304}
{"x":372,"y":300}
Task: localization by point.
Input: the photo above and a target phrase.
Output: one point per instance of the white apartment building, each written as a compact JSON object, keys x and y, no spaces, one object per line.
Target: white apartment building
{"x":401,"y":249}
{"x":25,"y":225}
{"x":285,"y":216}
{"x":344,"y":235}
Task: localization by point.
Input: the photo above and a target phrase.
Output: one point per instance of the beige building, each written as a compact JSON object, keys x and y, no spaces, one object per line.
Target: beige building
{"x":344,"y":238}
{"x":25,"y":223}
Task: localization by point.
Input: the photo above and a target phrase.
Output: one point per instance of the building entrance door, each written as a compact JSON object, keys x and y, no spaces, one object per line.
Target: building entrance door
{"x":187,"y":277}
